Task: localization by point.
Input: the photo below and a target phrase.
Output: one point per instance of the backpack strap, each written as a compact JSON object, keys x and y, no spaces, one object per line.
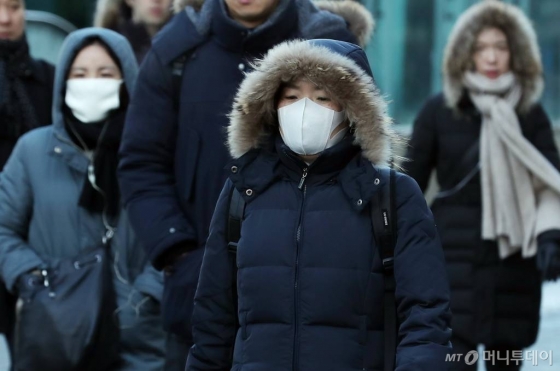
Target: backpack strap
{"x":464,"y":172}
{"x":383,"y":217}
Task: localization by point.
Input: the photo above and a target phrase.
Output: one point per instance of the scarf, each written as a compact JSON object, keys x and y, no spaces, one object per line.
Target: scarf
{"x":520,"y":187}
{"x":17,"y":115}
{"x":103,"y":139}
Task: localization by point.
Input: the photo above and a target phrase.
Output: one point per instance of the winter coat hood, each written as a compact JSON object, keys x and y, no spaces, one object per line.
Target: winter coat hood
{"x":118,"y":45}
{"x":359,"y":20}
{"x":341,"y":68}
{"x":109,"y":13}
{"x":522,"y":39}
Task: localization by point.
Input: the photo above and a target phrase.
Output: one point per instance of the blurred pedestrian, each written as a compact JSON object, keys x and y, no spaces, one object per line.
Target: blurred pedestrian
{"x":173,"y":151}
{"x":306,"y":127}
{"x":498,"y":210}
{"x":89,"y":298}
{"x":26,"y":86}
{"x":137,"y":20}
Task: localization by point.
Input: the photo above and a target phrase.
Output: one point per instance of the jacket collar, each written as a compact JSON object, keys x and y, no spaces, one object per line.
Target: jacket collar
{"x":61,"y":146}
{"x":281,"y":25}
{"x":343,"y":163}
{"x":178,"y":37}
{"x":325,"y":168}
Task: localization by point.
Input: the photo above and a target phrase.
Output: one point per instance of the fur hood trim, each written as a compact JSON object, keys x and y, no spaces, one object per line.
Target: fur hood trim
{"x":360,"y":21}
{"x":108,"y":14}
{"x":525,"y":54}
{"x":254,"y":116}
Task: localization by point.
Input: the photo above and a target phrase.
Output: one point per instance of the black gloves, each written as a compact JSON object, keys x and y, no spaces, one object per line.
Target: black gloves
{"x":548,"y":260}
{"x":167,"y":260}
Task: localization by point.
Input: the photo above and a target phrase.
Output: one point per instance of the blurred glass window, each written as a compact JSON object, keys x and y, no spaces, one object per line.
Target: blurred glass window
{"x":407,"y":49}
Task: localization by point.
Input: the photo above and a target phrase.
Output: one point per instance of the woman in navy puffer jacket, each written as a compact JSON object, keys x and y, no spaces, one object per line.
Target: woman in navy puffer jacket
{"x":306,"y":127}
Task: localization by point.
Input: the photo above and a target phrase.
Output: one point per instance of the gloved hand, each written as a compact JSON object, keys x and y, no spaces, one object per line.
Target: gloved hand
{"x":548,"y":260}
{"x":178,"y":294}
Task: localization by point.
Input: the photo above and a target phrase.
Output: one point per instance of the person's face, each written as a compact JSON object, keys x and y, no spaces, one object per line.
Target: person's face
{"x":491,"y":53}
{"x":92,"y":62}
{"x":300,"y":89}
{"x":251,"y":13}
{"x":12,"y":19}
{"x":150,"y":12}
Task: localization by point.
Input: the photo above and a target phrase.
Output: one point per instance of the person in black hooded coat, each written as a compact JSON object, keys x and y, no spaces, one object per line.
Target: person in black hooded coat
{"x":495,"y":296}
{"x":26,"y":86}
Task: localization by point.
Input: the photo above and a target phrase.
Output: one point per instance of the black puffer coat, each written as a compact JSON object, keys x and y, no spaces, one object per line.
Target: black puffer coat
{"x":309,"y":274}
{"x":495,"y":302}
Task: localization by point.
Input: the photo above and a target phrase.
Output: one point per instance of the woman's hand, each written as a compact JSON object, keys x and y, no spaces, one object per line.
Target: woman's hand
{"x":548,"y":260}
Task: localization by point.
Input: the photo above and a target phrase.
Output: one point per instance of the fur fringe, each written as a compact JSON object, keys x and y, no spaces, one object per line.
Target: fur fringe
{"x":360,"y":20}
{"x":107,"y":13}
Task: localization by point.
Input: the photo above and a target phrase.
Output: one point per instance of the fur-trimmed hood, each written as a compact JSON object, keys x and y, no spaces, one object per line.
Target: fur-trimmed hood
{"x":341,"y":68}
{"x":360,"y":21}
{"x":108,"y":13}
{"x":111,"y":13}
{"x":525,"y":54}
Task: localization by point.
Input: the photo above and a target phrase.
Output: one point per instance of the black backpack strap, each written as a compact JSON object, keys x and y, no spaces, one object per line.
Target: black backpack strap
{"x":464,"y":171}
{"x":235,"y":218}
{"x":383,"y":217}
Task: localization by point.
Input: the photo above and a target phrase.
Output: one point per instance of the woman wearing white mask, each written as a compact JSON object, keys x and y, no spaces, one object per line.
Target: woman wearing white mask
{"x":306,"y":291}
{"x":89,"y":300}
{"x":498,"y":211}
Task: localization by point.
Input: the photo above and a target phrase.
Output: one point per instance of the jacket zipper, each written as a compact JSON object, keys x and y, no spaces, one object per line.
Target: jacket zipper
{"x":302,"y":180}
{"x":296,"y":289}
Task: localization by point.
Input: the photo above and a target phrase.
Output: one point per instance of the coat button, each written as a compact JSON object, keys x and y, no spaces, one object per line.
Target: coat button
{"x":171,"y":230}
{"x":249,"y":192}
{"x":57,"y":149}
{"x":241,"y":66}
{"x":359,"y":202}
{"x":376,"y":181}
{"x":234,"y":169}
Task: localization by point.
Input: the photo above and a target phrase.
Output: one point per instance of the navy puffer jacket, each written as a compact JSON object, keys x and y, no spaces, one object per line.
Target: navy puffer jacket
{"x":310,"y":277}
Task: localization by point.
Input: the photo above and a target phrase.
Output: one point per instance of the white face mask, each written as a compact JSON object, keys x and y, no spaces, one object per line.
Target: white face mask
{"x":91,"y":100}
{"x":307,"y":126}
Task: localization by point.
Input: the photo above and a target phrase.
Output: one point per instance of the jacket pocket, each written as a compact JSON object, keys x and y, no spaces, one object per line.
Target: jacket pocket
{"x":186,"y":158}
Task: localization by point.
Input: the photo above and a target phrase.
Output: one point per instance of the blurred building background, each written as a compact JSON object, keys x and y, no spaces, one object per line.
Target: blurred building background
{"x":407,"y":48}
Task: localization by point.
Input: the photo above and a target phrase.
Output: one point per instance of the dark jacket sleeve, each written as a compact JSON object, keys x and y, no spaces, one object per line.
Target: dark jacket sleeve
{"x":423,"y":144}
{"x":542,"y":136}
{"x":16,"y":198}
{"x":422,"y":289}
{"x":214,"y":312}
{"x":146,"y":169}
